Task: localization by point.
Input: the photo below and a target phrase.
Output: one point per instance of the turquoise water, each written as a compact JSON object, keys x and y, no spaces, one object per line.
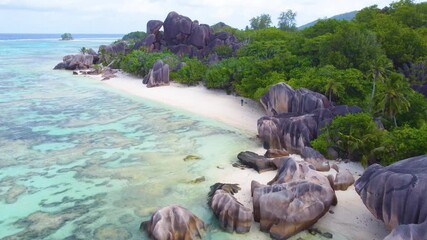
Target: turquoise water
{"x":81,"y":161}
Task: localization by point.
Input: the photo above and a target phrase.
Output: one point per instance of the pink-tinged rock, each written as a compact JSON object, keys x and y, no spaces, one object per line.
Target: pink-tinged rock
{"x":174,"y":223}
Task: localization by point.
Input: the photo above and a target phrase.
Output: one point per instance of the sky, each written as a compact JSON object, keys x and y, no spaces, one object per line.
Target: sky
{"x":123,"y":16}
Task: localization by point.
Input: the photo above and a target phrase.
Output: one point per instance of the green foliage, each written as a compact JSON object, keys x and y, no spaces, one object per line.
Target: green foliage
{"x":265,"y":35}
{"x":258,"y":86}
{"x":417,"y":112}
{"x":191,"y":73}
{"x":287,"y":21}
{"x":222,"y":27}
{"x":66,"y":36}
{"x":221,"y":75}
{"x":223,"y":51}
{"x":323,"y":27}
{"x":83,"y":50}
{"x":350,"y":47}
{"x":392,"y":99}
{"x":260,"y":22}
{"x":397,"y":29}
{"x":341,"y":86}
{"x":402,"y":143}
{"x":134,"y":35}
{"x":139,"y":62}
{"x":353,"y":136}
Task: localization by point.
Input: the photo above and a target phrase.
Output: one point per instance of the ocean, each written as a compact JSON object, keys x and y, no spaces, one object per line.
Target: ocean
{"x":79,"y":160}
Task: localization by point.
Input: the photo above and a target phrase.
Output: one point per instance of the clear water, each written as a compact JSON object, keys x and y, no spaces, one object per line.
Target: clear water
{"x":81,"y":161}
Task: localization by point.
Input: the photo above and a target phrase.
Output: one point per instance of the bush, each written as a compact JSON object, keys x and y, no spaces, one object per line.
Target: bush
{"x":223,"y":74}
{"x":353,"y":136}
{"x":139,"y":62}
{"x":192,"y":73}
{"x":256,"y":87}
{"x":223,"y":51}
{"x":402,"y":143}
{"x":341,"y":86}
{"x":134,"y":35}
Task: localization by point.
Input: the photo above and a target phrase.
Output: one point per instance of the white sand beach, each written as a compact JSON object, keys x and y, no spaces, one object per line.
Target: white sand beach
{"x":350,"y":219}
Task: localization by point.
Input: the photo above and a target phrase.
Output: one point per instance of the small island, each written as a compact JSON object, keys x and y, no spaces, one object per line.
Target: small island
{"x":66,"y":37}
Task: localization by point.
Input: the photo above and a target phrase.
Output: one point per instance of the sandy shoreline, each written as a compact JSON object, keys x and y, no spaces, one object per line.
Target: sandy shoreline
{"x":350,"y":219}
{"x":214,"y":104}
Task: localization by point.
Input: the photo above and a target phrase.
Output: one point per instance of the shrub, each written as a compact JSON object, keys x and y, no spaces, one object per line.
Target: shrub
{"x":193,"y":72}
{"x":353,"y":136}
{"x":139,"y":62}
{"x":402,"y":143}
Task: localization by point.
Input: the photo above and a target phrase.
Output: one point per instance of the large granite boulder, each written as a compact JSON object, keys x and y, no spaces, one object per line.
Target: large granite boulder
{"x":177,"y":28}
{"x":174,"y":223}
{"x":186,"y":50}
{"x":158,"y":75}
{"x":232,"y":215}
{"x":295,"y":117}
{"x":282,"y":98}
{"x":185,"y":37}
{"x":114,"y":49}
{"x":420,"y":88}
{"x":293,"y":201}
{"x":269,"y":132}
{"x":255,"y":161}
{"x":76,"y":62}
{"x":397,"y":195}
{"x":200,"y":35}
{"x":153,"y":26}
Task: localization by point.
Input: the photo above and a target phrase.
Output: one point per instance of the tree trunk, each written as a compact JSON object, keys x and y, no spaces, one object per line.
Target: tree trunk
{"x":373,"y":93}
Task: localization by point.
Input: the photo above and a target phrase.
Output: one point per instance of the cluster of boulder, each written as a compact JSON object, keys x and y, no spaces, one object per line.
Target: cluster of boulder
{"x":180,"y":35}
{"x":295,"y":117}
{"x":185,"y":37}
{"x":293,"y":201}
{"x":299,"y":195}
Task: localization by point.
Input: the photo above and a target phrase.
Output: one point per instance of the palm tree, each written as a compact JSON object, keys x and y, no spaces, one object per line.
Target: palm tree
{"x":392,"y":100}
{"x":83,"y":50}
{"x":379,"y":67}
{"x":332,"y":88}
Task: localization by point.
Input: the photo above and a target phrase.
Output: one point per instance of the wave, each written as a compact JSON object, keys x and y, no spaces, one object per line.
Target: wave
{"x":53,"y":37}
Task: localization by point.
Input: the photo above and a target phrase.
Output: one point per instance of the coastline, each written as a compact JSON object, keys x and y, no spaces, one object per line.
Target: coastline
{"x":350,"y":219}
{"x":214,"y":104}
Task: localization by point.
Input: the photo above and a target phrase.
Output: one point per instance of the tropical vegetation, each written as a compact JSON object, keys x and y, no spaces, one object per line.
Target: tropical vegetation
{"x":370,"y":61}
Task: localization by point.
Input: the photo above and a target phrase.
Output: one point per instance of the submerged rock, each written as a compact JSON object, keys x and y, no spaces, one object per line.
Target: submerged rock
{"x":174,"y":223}
{"x":14,"y":192}
{"x":232,"y":215}
{"x":397,"y":195}
{"x":111,"y":232}
{"x":191,"y":158}
{"x":198,"y":180}
{"x":294,"y":200}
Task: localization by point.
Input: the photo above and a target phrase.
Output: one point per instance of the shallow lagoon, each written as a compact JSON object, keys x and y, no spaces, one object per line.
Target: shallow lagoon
{"x":81,"y":161}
